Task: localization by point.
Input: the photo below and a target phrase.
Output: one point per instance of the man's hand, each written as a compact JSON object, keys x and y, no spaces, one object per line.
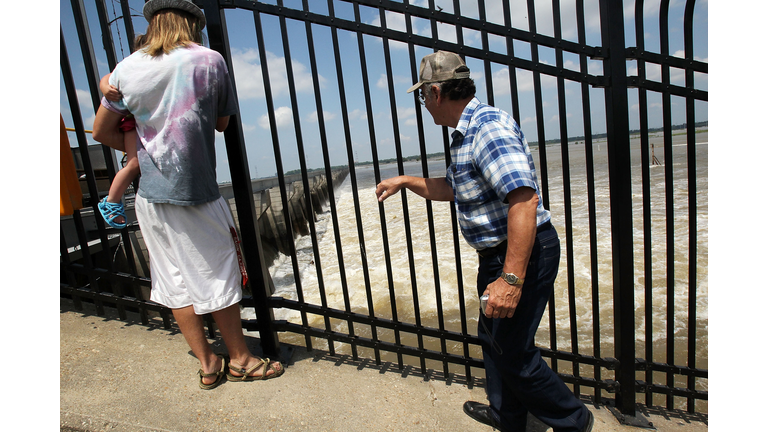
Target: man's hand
{"x":388,"y":187}
{"x":503,"y":299}
{"x":435,"y":189}
{"x":521,"y":234}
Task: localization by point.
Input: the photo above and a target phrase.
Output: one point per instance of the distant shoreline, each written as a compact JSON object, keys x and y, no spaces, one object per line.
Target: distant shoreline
{"x":701,"y":127}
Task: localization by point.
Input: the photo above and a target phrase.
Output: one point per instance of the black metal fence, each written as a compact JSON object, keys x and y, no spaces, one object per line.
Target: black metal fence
{"x":625,"y":318}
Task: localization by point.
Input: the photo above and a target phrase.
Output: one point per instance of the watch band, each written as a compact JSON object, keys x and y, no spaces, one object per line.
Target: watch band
{"x":511,"y":279}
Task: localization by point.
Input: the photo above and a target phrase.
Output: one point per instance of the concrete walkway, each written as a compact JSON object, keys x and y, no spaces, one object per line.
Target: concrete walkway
{"x":123,"y":376}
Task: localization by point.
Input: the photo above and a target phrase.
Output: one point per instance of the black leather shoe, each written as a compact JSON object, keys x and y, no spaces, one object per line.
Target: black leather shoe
{"x":482,"y":413}
{"x":590,"y":422}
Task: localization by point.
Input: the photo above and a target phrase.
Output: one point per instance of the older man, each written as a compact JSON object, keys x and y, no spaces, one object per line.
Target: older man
{"x":493,"y":182}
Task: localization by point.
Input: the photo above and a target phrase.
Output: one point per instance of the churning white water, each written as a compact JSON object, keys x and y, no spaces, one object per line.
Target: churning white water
{"x":424,"y":276}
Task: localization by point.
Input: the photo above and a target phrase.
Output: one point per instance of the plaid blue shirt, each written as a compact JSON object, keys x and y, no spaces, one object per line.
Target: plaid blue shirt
{"x":489,"y":158}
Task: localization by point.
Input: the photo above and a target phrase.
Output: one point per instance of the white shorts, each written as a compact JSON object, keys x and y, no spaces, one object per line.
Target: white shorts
{"x":192,"y":255}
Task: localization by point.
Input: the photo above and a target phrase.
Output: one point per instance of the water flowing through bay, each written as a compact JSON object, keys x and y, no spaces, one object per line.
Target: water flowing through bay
{"x":424,"y":281}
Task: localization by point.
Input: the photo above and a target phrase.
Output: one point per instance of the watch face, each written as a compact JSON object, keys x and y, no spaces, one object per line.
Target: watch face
{"x":511,"y":279}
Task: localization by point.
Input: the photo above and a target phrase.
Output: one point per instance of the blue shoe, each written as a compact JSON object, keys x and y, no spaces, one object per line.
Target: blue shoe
{"x":110,"y":211}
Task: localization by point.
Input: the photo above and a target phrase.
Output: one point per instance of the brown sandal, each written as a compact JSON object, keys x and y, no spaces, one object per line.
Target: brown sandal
{"x":219,"y":376}
{"x":247,"y":373}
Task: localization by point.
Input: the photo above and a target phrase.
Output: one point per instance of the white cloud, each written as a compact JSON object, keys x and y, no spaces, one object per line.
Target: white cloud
{"x":358,"y":114}
{"x":283,"y":117}
{"x":524,"y":81}
{"x":397,"y":81}
{"x":86,"y":108}
{"x":250,"y":81}
{"x":407,"y":115}
{"x":326,"y":116}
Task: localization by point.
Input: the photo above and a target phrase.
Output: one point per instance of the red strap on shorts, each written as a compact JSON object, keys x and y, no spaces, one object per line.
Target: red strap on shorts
{"x":239,"y":255}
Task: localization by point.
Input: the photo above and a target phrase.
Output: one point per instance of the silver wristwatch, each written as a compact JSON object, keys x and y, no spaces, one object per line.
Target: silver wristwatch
{"x":511,"y":279}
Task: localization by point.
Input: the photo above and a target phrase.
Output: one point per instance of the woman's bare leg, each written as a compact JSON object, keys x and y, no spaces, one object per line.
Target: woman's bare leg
{"x":231,"y":329}
{"x":192,"y":328}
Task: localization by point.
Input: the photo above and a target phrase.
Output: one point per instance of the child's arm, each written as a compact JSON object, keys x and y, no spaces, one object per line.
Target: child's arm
{"x":109,"y":91}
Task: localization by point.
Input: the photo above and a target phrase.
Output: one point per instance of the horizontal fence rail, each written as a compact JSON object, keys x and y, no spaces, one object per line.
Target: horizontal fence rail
{"x":618,"y":134}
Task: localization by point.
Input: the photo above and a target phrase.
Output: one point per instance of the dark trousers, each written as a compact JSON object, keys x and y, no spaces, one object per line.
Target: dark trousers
{"x":519,"y":381}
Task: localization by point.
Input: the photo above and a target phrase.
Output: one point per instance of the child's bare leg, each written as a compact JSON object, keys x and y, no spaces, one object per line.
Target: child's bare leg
{"x":125,"y":176}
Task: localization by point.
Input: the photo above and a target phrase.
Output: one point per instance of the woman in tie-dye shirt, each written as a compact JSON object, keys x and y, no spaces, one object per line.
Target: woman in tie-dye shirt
{"x":180,"y":93}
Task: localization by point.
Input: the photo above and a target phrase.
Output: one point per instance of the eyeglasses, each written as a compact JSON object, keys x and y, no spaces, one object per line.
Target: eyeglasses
{"x":421,"y":97}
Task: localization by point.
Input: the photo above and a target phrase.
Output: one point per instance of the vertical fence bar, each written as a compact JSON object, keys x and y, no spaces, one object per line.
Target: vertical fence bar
{"x":243,"y":190}
{"x":86,"y":47}
{"x":486,"y":61}
{"x":128,"y":23}
{"x":92,"y":74}
{"x":305,"y":181}
{"x":352,"y":169}
{"x":403,"y":192}
{"x":454,"y":223}
{"x":692,"y":202}
{"x":414,"y":62}
{"x":646,"y":187}
{"x":669,"y":183}
{"x":377,"y":176}
{"x":77,"y":118}
{"x":591,"y":199}
{"x":543,"y":169}
{"x":459,"y":29}
{"x":399,"y":153}
{"x":106,"y":34}
{"x":619,"y":163}
{"x":510,"y":64}
{"x":328,"y":172}
{"x":109,"y":51}
{"x":126,"y":232}
{"x":303,"y":164}
{"x":566,"y":167}
{"x":352,"y":174}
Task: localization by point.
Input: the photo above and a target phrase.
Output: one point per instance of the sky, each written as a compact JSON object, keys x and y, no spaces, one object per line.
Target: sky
{"x":247,"y":71}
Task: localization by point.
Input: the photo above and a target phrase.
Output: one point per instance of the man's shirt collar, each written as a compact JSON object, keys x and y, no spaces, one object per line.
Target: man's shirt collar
{"x":466,"y":115}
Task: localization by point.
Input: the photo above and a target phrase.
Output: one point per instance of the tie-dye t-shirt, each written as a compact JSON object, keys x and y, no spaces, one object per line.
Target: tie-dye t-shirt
{"x":176,"y":99}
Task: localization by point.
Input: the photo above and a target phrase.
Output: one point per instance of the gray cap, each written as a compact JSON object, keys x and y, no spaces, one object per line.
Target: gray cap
{"x":438,"y":67}
{"x":152,"y":6}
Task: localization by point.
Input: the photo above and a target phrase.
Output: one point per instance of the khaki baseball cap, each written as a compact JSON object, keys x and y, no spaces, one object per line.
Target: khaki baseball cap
{"x":438,"y":67}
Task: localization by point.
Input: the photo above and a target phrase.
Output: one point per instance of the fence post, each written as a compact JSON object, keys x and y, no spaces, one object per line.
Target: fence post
{"x":243,"y":192}
{"x":617,"y":119}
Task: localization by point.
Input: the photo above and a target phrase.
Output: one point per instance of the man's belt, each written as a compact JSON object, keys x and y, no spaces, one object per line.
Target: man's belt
{"x":502,"y":247}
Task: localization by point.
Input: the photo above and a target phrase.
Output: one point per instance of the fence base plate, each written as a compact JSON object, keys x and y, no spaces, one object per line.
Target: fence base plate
{"x":637,"y":420}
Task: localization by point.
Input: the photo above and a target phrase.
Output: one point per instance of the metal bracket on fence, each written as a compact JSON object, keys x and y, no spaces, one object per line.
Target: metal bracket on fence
{"x":611,"y":363}
{"x":641,"y":364}
{"x":601,"y":53}
{"x":638,"y":420}
{"x":612,"y":386}
{"x":601,"y":81}
{"x":641,"y":386}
